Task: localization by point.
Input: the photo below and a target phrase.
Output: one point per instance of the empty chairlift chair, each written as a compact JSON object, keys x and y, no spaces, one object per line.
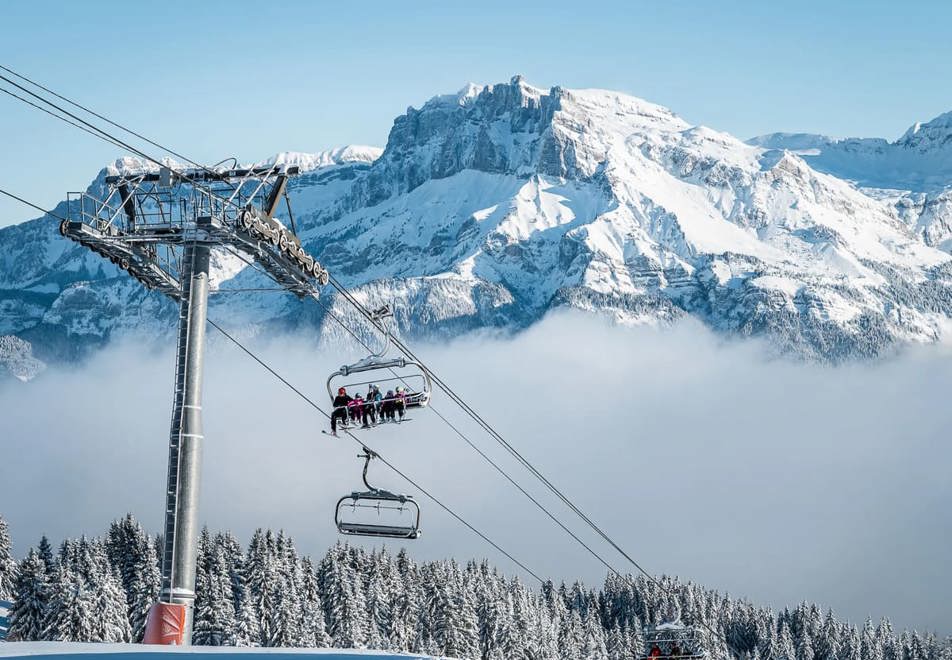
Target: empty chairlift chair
{"x":378,"y":513}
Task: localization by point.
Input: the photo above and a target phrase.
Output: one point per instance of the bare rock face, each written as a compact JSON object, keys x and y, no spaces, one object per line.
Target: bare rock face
{"x":492,"y":206}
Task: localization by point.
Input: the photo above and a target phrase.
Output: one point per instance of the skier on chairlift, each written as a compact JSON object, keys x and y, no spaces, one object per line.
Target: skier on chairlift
{"x":387,"y":407}
{"x":373,"y":400}
{"x":356,"y":408}
{"x":655,"y":652}
{"x":676,"y":651}
{"x":400,"y":402}
{"x":341,"y":402}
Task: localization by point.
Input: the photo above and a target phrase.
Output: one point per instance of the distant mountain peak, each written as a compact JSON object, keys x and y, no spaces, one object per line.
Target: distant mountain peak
{"x":353,"y":153}
{"x":493,"y":205}
{"x":935,"y":133}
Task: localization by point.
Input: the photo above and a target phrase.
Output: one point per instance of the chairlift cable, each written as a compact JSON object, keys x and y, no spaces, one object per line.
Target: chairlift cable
{"x":483,"y":455}
{"x":53,"y":114}
{"x":31,"y":204}
{"x":512,"y":450}
{"x":310,"y":402}
{"x":383,"y":460}
{"x":113,"y":123}
{"x":105,"y":136}
{"x":112,"y":139}
{"x":403,"y":348}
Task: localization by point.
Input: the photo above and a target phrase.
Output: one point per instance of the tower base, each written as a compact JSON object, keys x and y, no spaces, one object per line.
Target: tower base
{"x":166,"y":624}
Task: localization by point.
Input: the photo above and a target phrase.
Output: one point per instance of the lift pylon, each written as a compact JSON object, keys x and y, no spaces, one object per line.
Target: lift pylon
{"x":160,"y":226}
{"x":185,"y":441}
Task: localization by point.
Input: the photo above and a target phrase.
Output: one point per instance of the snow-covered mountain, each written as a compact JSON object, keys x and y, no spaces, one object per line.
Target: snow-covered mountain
{"x":913,"y":174}
{"x":489,"y":207}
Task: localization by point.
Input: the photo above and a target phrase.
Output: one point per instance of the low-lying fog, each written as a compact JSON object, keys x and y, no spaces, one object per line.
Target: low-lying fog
{"x":776,"y":481}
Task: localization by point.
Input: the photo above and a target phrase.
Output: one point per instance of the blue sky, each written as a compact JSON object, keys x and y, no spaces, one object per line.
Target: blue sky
{"x":216,"y":79}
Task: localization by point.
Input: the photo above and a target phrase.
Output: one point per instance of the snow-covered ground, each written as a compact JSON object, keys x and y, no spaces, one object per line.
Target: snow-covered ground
{"x":118,"y":651}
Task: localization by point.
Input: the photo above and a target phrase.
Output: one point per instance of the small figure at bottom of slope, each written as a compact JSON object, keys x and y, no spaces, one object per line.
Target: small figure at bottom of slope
{"x":341,"y":403}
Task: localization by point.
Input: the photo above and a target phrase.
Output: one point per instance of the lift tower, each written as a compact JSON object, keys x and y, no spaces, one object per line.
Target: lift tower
{"x":161,"y":225}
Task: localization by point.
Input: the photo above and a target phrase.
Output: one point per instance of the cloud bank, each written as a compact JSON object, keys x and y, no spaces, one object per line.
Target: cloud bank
{"x":776,"y":481}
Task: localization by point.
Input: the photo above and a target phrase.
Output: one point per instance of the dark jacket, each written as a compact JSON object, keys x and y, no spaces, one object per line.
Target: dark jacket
{"x":341,"y":401}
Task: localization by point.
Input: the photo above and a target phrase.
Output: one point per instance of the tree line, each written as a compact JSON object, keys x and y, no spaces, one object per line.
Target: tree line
{"x":100,"y":589}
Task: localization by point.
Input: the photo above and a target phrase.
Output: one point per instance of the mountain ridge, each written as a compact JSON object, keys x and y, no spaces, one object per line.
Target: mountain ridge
{"x":491,"y":206}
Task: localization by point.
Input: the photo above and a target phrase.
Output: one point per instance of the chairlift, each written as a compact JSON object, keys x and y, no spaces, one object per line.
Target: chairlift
{"x":400,"y":372}
{"x":673,"y":640}
{"x":377,"y":513}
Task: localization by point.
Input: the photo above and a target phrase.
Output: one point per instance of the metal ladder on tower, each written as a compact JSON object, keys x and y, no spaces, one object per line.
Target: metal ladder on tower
{"x":175,"y":434}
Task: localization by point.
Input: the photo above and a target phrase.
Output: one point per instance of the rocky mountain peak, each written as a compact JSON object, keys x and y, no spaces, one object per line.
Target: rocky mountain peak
{"x":491,"y":206}
{"x":934,"y":134}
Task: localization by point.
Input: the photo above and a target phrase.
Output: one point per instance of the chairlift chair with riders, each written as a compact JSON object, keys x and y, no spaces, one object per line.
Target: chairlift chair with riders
{"x":408,"y":374}
{"x":377,"y":513}
{"x":673,"y":640}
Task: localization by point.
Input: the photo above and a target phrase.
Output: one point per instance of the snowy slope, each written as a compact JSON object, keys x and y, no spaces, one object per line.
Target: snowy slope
{"x":123,"y":651}
{"x":912,"y":174}
{"x":489,"y":207}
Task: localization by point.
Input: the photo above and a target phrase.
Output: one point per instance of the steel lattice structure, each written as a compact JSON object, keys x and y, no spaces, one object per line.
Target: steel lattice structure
{"x":160,"y":227}
{"x":146,"y":219}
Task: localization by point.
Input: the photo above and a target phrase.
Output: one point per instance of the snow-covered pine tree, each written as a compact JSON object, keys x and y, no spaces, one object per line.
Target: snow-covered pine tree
{"x":510,"y":641}
{"x":571,"y":635}
{"x":522,"y":607}
{"x":784,"y":648}
{"x":247,"y":625}
{"x":804,"y":645}
{"x":45,"y":551}
{"x":284,"y":619}
{"x":594,"y":644}
{"x":69,"y":614}
{"x":348,"y":618}
{"x":378,"y":605}
{"x":404,"y":603}
{"x":850,"y":645}
{"x":132,"y":553}
{"x":145,"y":586}
{"x":487,"y":593}
{"x":286,"y":624}
{"x":552,"y":623}
{"x":426,"y":621}
{"x":214,"y":610}
{"x":120,"y":540}
{"x":247,"y":629}
{"x":8,"y":565}
{"x":259,"y":572}
{"x":547,"y":636}
{"x":870,"y":646}
{"x":111,"y":622}
{"x":455,"y":629}
{"x":313,"y":625}
{"x":203,"y":592}
{"x":615,"y":645}
{"x":891,"y":650}
{"x":30,"y":600}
